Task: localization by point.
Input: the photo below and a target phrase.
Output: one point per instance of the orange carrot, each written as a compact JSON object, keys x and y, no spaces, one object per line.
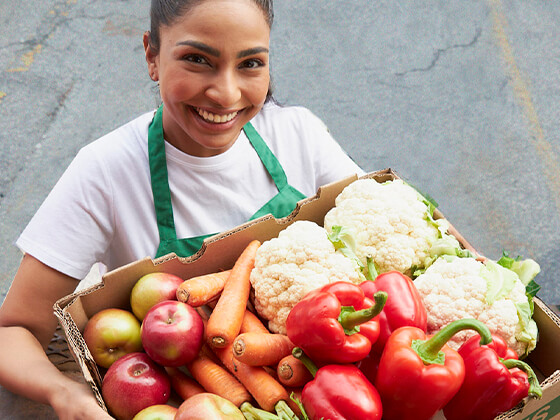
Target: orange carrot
{"x":292,"y":372}
{"x":261,"y":349}
{"x":225,"y":320}
{"x":183,"y":384}
{"x":252,"y":323}
{"x":216,"y":379}
{"x":198,"y":291}
{"x":266,"y":390}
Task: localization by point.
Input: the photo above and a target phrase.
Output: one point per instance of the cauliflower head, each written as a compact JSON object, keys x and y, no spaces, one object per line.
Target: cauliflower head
{"x":289,"y":266}
{"x":391,"y":222}
{"x":454,"y":288}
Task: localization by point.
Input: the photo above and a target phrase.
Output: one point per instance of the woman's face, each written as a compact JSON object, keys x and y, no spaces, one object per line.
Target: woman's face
{"x":213,"y":73}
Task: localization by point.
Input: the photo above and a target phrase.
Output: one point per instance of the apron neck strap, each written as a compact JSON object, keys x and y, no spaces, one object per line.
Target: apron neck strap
{"x":267,"y":157}
{"x":159,"y":177}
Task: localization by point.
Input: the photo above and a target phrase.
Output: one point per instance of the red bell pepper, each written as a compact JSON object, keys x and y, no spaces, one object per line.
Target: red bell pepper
{"x":419,"y":374}
{"x":338,"y":392}
{"x":404,"y":306}
{"x":336,"y":323}
{"x":369,"y":365}
{"x":495,"y":381}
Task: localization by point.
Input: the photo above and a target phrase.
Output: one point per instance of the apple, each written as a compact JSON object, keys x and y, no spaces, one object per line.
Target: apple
{"x":133,"y":383}
{"x":157,"y":412}
{"x":153,"y":288}
{"x":207,"y":406}
{"x":172,"y":333}
{"x":110,"y":334}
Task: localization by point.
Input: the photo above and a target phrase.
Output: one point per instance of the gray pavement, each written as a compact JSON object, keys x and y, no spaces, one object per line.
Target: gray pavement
{"x":461,"y":98}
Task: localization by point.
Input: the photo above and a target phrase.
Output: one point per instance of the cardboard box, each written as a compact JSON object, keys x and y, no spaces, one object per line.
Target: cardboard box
{"x":221,"y":251}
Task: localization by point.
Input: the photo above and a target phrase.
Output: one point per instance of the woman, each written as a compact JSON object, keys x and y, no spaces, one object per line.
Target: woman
{"x":217,"y":153}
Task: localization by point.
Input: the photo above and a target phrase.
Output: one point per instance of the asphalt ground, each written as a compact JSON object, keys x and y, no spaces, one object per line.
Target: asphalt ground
{"x":459,"y":98}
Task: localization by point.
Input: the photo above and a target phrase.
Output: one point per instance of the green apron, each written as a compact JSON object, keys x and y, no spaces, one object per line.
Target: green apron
{"x":281,"y":205}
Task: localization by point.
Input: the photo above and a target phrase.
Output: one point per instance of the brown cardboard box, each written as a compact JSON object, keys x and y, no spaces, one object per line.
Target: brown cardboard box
{"x":221,"y":251}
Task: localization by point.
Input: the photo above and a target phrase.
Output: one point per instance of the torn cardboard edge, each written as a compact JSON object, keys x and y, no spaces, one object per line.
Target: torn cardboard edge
{"x":220,"y":252}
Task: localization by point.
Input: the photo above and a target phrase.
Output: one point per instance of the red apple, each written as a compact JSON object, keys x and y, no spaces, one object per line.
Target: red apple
{"x":133,"y":383}
{"x":151,"y":289}
{"x":172,"y":333}
{"x":112,"y":333}
{"x":157,"y":412}
{"x":207,"y":406}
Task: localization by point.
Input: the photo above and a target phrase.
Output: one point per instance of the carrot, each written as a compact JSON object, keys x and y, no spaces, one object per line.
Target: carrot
{"x":198,"y":291}
{"x":216,"y":379}
{"x":266,"y":390}
{"x":252,"y":323}
{"x":226,"y":318}
{"x":261,"y":349}
{"x":292,"y":372}
{"x":182,"y":384}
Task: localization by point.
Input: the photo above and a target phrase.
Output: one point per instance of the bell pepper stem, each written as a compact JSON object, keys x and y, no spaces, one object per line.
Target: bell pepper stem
{"x":298,"y":353}
{"x":535,"y":389}
{"x":430,"y":350}
{"x":372,"y":270}
{"x":351,"y":319}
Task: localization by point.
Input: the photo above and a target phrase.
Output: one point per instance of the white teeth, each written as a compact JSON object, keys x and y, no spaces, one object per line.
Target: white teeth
{"x":216,"y":118}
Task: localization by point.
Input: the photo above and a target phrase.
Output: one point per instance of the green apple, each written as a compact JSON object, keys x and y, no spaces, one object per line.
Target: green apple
{"x":153,"y":288}
{"x":157,"y":412}
{"x":112,"y":333}
{"x":208,"y":406}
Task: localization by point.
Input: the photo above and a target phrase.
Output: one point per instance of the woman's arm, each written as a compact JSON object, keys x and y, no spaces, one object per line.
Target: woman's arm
{"x":27,"y":324}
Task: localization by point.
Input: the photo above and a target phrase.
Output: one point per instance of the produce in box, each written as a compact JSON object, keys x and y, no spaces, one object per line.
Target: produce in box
{"x":393,"y":346}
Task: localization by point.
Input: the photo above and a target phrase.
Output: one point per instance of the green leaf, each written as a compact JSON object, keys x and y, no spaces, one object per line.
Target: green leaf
{"x":343,"y":240}
{"x":532,"y":289}
{"x":526,"y":269}
{"x":500,"y":281}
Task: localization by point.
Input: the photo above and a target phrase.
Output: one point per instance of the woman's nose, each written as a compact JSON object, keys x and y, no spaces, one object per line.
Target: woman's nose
{"x":225,"y":90}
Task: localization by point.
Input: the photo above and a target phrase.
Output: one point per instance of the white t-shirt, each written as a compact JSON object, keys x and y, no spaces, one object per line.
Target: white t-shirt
{"x":102,"y":209}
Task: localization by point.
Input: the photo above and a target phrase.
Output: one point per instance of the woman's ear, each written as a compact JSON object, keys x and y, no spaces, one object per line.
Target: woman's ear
{"x":151,"y":57}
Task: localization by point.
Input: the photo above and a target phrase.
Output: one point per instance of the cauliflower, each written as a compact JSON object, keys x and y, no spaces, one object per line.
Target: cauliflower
{"x":454,"y":288}
{"x":391,"y":223}
{"x":286,"y":268}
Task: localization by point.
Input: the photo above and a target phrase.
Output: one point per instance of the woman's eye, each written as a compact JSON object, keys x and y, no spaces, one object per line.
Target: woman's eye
{"x":194,"y":58}
{"x":252,"y":63}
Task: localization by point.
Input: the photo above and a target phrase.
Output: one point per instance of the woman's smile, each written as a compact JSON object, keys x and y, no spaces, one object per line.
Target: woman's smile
{"x":216,"y":118}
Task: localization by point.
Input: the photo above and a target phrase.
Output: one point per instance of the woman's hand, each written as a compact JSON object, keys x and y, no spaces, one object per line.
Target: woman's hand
{"x":27,"y":322}
{"x":77,"y":403}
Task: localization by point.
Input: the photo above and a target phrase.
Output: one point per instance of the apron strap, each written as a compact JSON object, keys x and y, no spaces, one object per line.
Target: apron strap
{"x":267,"y":157}
{"x":159,"y":177}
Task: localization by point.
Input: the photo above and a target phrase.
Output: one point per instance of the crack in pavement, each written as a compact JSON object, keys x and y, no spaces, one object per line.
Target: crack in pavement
{"x":438,"y":53}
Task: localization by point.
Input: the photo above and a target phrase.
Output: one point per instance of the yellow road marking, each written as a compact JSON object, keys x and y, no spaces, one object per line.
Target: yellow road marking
{"x":2,"y":95}
{"x":522,"y":94}
{"x":26,"y":59}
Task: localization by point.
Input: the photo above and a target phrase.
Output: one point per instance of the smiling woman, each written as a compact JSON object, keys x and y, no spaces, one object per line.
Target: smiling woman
{"x":212,"y":68}
{"x":216,"y":153}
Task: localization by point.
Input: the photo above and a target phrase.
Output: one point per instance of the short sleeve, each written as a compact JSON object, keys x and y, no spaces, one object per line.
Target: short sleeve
{"x":74,"y":224}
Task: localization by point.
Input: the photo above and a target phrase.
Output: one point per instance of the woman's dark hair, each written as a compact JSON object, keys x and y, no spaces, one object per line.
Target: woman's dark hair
{"x":166,"y":12}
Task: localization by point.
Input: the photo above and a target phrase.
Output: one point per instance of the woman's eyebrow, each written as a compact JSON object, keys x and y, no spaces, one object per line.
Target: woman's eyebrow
{"x":251,"y":51}
{"x":201,"y":46}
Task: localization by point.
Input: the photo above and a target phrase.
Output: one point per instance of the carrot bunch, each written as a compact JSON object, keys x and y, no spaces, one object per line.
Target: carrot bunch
{"x":240,"y":359}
